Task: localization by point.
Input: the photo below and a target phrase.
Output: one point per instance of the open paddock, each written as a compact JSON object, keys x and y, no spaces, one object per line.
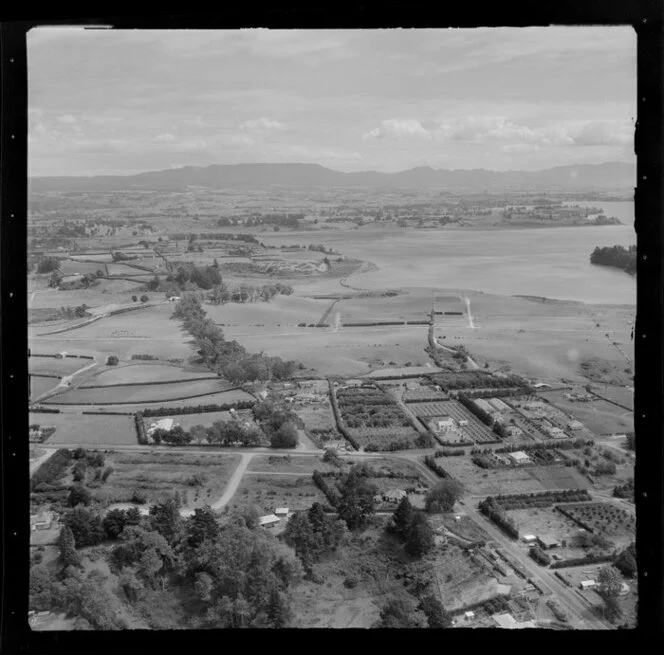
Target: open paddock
{"x":598,"y":416}
{"x":287,"y":464}
{"x":106,"y":258}
{"x":87,"y":430}
{"x":159,"y":474}
{"x":601,"y":518}
{"x":268,"y":492}
{"x":39,"y":386}
{"x":206,"y":419}
{"x":145,"y":373}
{"x":73,"y":267}
{"x":148,"y":393}
{"x":53,"y":366}
{"x":317,"y":416}
{"x":480,"y":482}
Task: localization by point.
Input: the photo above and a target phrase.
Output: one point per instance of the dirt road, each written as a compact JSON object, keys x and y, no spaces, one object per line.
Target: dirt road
{"x":234,"y":482}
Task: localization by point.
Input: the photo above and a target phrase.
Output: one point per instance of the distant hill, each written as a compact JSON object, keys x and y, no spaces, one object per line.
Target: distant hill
{"x":613,"y":176}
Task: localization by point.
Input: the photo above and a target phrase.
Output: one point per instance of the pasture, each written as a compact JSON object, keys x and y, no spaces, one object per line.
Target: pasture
{"x":200,"y":479}
{"x":39,"y":385}
{"x":145,"y":373}
{"x":87,"y":430}
{"x":267,"y":492}
{"x":145,"y":393}
{"x":53,"y":366}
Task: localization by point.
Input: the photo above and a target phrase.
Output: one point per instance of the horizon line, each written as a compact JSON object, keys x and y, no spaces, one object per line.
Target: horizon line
{"x":179,"y":168}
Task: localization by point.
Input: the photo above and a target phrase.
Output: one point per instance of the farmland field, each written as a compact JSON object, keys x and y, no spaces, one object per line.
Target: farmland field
{"x":87,"y":430}
{"x":38,"y":386}
{"x":544,"y":521}
{"x":224,"y":397}
{"x":506,"y":481}
{"x":141,"y":394}
{"x":271,"y":491}
{"x":52,"y":366}
{"x":187,"y":421}
{"x":144,"y":373}
{"x":158,"y":474}
{"x":602,"y":518}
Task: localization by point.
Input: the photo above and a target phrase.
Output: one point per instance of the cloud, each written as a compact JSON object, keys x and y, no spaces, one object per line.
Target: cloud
{"x":67,"y":119}
{"x":165,"y":138}
{"x":604,"y":133}
{"x":260,"y":124}
{"x":398,"y":128}
{"x":101,"y":119}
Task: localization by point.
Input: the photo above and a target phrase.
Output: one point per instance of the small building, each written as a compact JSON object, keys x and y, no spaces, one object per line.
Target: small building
{"x":529,"y":538}
{"x":519,"y":457}
{"x":541,"y":385}
{"x":268,"y":521}
{"x":624,"y":589}
{"x":394,"y":495}
{"x":463,"y":423}
{"x":575,"y":425}
{"x":174,"y":299}
{"x":556,"y":433}
{"x":445,"y":424}
{"x":469,"y":615}
{"x":162,"y":424}
{"x":547,"y":541}
{"x":281,"y":511}
{"x":42,"y":521}
{"x":587,"y":584}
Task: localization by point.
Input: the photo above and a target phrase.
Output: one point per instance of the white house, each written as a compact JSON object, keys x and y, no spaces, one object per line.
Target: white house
{"x":463,"y":422}
{"x":394,"y":495}
{"x":556,"y":433}
{"x":529,"y":538}
{"x":588,"y":584}
{"x":163,"y":424}
{"x":268,"y":521}
{"x":519,"y":457}
{"x":281,"y":511}
{"x":445,"y":424}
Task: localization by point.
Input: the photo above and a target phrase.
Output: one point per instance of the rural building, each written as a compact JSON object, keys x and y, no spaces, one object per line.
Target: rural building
{"x":445,"y":424}
{"x":163,"y":424}
{"x":463,"y":422}
{"x":513,"y":431}
{"x":394,"y":495}
{"x":281,"y":511}
{"x":519,"y":457}
{"x":575,"y":425}
{"x":547,"y":541}
{"x":469,"y":615}
{"x":174,"y":299}
{"x":268,"y":521}
{"x":529,"y":538}
{"x":587,"y":584}
{"x":509,"y":622}
{"x":556,"y":433}
{"x":498,"y":405}
{"x":42,"y":521}
{"x":541,"y":385}
{"x":624,"y":589}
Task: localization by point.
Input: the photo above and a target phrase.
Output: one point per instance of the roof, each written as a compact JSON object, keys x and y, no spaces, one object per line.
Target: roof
{"x":519,"y":454}
{"x":268,"y":519}
{"x":281,"y":510}
{"x":547,"y":539}
{"x":529,"y":537}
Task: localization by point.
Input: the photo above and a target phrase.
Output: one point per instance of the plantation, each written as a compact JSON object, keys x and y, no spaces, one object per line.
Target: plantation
{"x":602,"y":518}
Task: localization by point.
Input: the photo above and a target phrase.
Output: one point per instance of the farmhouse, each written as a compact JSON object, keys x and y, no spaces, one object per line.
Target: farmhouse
{"x":547,"y":541}
{"x":556,"y":433}
{"x":575,"y":425}
{"x":444,"y":424}
{"x":519,"y":457}
{"x":394,"y":495}
{"x":163,"y":424}
{"x":268,"y":521}
{"x":509,"y":622}
{"x":41,"y":521}
{"x":587,"y":584}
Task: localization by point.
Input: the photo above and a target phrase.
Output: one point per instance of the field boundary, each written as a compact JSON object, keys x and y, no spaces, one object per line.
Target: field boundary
{"x":151,"y":402}
{"x":155,"y":382}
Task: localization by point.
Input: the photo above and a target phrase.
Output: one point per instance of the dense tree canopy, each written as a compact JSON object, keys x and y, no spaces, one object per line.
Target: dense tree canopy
{"x":443,"y":496}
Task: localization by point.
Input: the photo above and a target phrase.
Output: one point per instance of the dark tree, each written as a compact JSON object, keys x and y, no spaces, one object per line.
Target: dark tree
{"x":114,"y":523}
{"x":443,"y":495}
{"x":403,"y":517}
{"x":397,"y":613}
{"x":78,"y":495}
{"x":437,"y":616}
{"x":419,"y":537}
{"x":165,"y":519}
{"x":67,"y":544}
{"x":86,"y":526}
{"x":357,"y":500}
{"x":200,"y":526}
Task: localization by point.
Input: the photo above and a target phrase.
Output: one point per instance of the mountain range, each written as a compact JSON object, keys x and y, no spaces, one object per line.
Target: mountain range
{"x":615,"y":176}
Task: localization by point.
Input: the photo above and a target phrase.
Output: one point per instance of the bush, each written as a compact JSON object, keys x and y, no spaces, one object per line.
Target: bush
{"x":112,"y":360}
{"x":139,"y":497}
{"x":539,"y":556}
{"x":51,"y":470}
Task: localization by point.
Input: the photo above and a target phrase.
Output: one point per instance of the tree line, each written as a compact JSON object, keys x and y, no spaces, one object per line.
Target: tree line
{"x":617,"y":256}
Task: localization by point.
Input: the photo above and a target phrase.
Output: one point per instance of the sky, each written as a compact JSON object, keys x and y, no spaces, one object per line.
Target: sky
{"x":122,"y":102}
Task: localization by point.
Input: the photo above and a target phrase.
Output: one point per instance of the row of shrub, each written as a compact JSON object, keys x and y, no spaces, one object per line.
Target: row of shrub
{"x":154,"y":383}
{"x":542,"y":499}
{"x":561,"y":444}
{"x":483,"y":416}
{"x":92,"y":413}
{"x":457,"y":452}
{"x":496,"y":513}
{"x":144,"y":357}
{"x":435,"y":467}
{"x":590,"y":558}
{"x":51,"y":470}
{"x":140,"y":428}
{"x":198,"y":409}
{"x":339,"y":421}
{"x":44,"y":375}
{"x":331,"y":493}
{"x":44,"y":410}
{"x":540,"y":556}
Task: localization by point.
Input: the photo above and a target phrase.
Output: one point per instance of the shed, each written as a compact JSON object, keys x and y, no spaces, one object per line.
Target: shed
{"x":281,"y":511}
{"x":575,"y":425}
{"x":624,"y":589}
{"x":547,"y":541}
{"x":268,"y":521}
{"x":529,"y":538}
{"x":587,"y":584}
{"x":519,"y":457}
{"x":469,"y":615}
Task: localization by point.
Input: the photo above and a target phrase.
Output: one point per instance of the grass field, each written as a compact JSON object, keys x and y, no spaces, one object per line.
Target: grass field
{"x":144,"y":373}
{"x":159,"y":474}
{"x":142,"y":393}
{"x":38,"y":386}
{"x":508,"y":481}
{"x":268,"y":492}
{"x":87,"y":430}
{"x":598,"y":416}
{"x":65,"y":366}
{"x":318,"y":416}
